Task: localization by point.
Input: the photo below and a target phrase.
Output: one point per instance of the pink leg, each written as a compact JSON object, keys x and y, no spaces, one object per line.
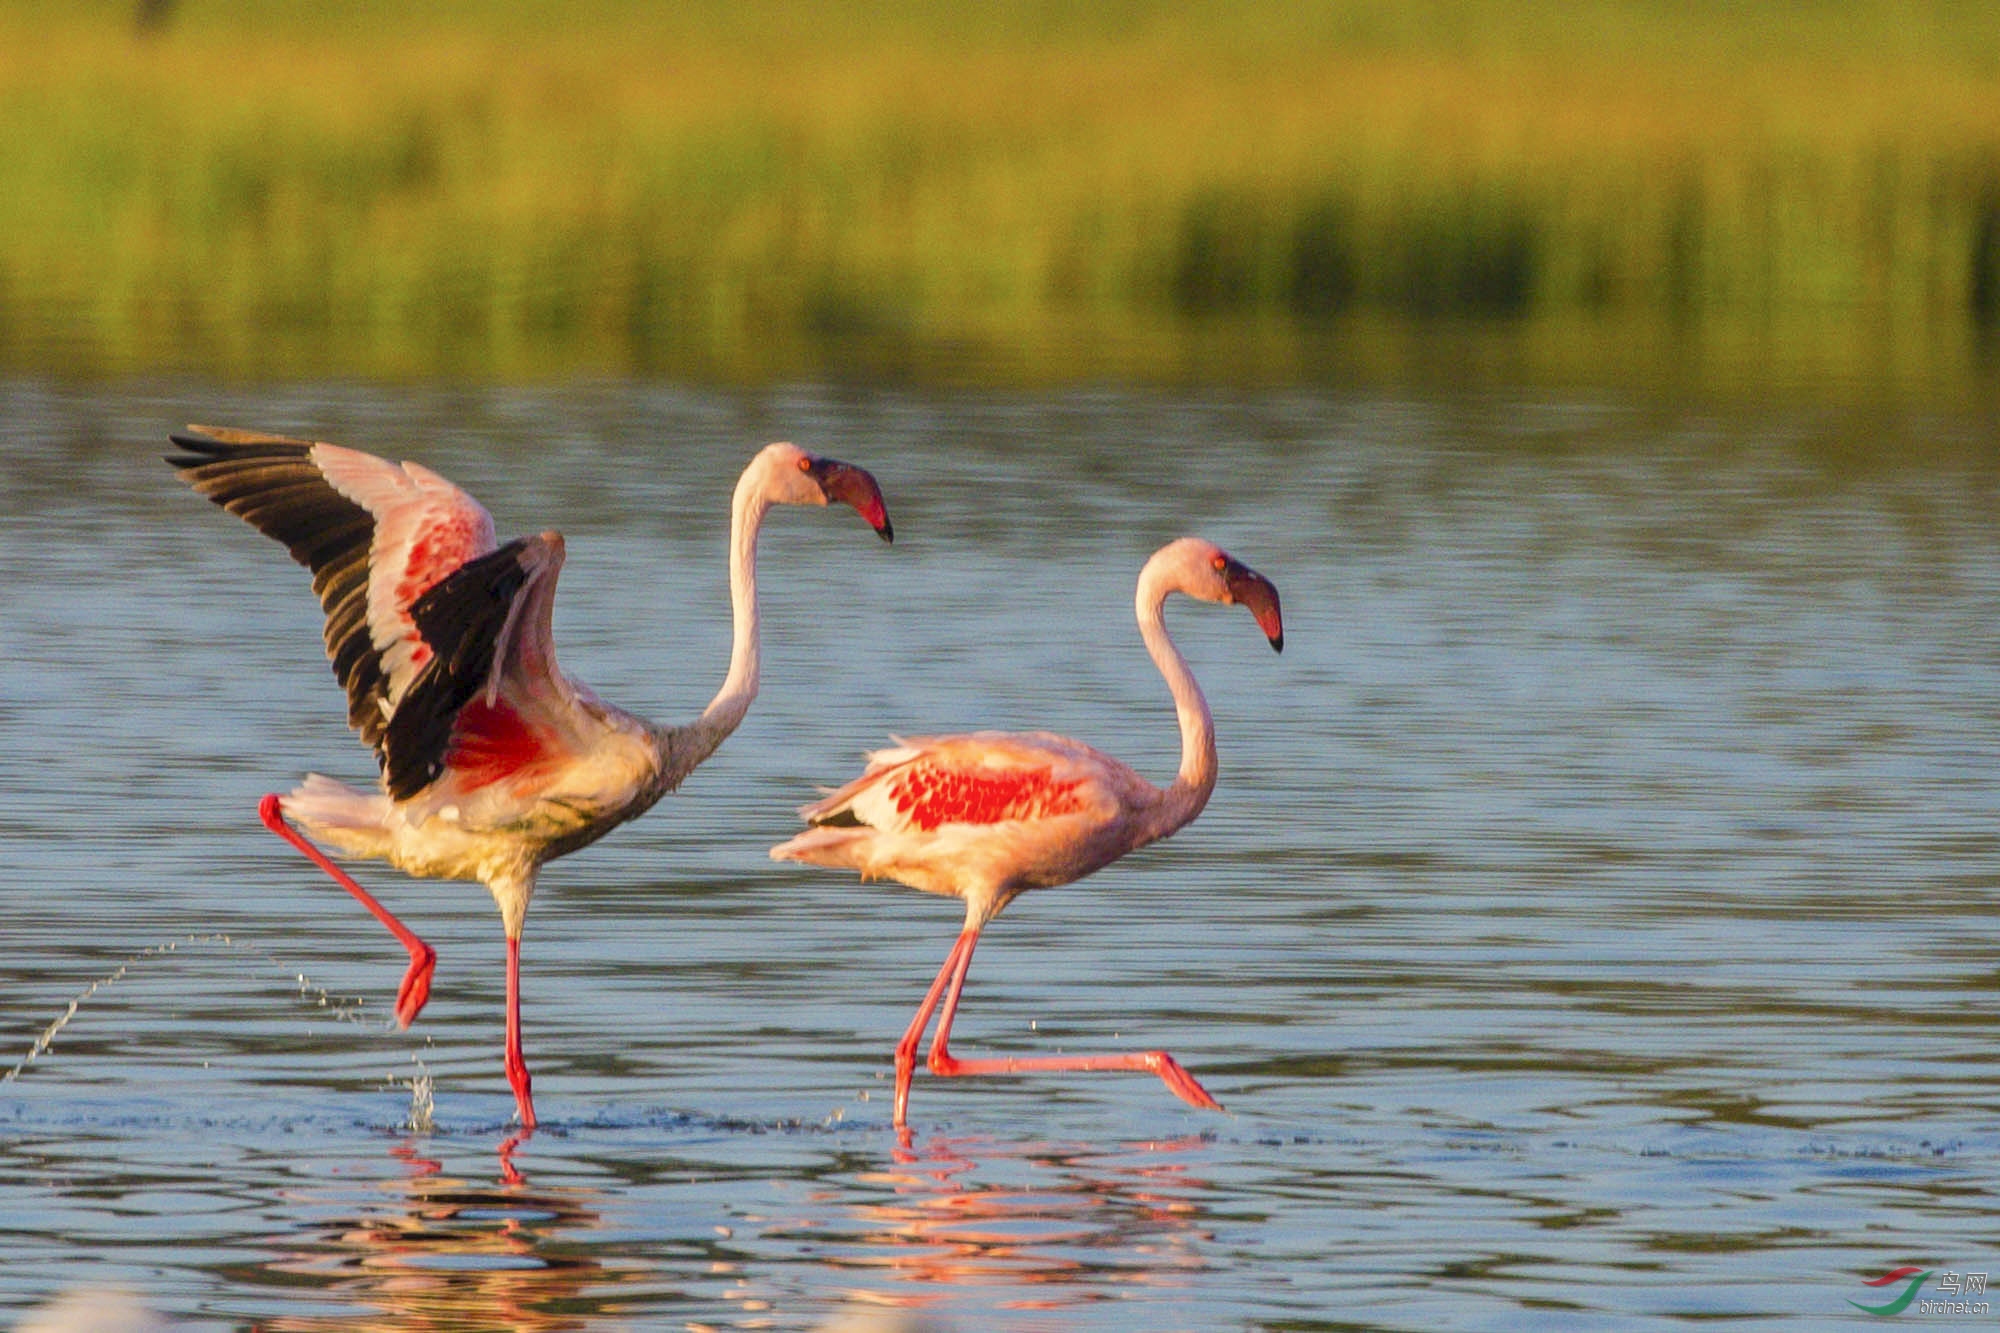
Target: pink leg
{"x":416,"y":987}
{"x":517,"y":1067}
{"x":906,"y":1049}
{"x":1181,"y":1083}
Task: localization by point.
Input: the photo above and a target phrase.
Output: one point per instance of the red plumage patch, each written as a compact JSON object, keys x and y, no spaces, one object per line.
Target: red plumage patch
{"x":435,"y":551}
{"x":932,"y":796}
{"x":490,"y":742}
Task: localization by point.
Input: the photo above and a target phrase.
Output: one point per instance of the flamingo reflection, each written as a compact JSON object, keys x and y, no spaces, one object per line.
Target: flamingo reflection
{"x":442,"y":1253}
{"x":963,"y":1220}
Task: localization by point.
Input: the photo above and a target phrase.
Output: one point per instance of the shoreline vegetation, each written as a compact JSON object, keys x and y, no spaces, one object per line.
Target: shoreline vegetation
{"x":1016,"y":194}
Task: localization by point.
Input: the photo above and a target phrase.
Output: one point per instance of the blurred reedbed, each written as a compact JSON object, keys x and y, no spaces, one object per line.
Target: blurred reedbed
{"x":725,"y":191}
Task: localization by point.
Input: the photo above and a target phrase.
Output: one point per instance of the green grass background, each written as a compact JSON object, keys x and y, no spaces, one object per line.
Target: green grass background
{"x":1029,"y":192}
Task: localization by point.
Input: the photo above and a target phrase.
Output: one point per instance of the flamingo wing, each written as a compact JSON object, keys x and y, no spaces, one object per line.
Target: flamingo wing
{"x":490,"y":702}
{"x":376,"y":535}
{"x":983,"y":778}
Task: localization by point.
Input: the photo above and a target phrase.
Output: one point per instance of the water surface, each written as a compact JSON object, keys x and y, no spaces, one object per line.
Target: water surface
{"x":1593,"y":922}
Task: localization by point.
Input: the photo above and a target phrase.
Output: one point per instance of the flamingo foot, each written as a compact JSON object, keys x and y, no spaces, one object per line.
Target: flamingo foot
{"x":1179,"y":1082}
{"x":415,"y":991}
{"x":517,"y":1076}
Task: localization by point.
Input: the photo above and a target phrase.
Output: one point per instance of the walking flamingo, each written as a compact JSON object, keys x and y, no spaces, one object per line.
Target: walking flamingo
{"x":493,"y":760}
{"x":988,"y":815}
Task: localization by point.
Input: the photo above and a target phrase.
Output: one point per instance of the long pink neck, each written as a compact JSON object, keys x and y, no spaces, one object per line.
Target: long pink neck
{"x":1183,"y":800}
{"x":685,"y":747}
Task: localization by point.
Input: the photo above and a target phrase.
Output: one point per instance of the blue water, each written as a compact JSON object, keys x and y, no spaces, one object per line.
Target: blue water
{"x":1593,"y":924}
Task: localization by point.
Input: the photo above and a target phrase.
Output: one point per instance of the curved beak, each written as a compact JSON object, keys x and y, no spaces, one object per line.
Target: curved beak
{"x":854,"y":486}
{"x":1255,"y":591}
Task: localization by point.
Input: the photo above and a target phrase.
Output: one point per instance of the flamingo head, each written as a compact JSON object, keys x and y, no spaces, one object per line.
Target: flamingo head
{"x":801,"y":478}
{"x":1214,"y":575}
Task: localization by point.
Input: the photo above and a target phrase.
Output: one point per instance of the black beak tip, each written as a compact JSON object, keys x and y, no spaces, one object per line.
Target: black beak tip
{"x":1277,"y":643}
{"x":887,"y":532}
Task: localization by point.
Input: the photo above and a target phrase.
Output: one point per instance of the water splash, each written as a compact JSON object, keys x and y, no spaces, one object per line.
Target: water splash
{"x":422,"y":1102}
{"x":344,"y":1010}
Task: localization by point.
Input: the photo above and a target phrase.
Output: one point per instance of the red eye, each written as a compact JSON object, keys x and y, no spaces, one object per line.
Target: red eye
{"x":805,"y":464}
{"x":1221,"y":563}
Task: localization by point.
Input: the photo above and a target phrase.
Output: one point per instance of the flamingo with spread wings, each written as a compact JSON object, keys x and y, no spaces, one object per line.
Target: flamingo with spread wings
{"x":990,"y":815}
{"x":493,"y":760}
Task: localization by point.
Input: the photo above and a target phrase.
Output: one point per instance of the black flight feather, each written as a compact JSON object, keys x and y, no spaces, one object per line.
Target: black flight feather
{"x":461,"y":616}
{"x":272,"y":483}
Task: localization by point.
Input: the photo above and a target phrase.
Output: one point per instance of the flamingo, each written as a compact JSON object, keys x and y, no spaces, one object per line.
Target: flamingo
{"x":988,"y":815}
{"x":493,"y":760}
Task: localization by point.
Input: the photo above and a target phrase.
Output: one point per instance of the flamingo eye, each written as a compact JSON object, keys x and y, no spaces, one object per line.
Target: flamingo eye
{"x":1221,"y":562}
{"x":805,"y":463}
